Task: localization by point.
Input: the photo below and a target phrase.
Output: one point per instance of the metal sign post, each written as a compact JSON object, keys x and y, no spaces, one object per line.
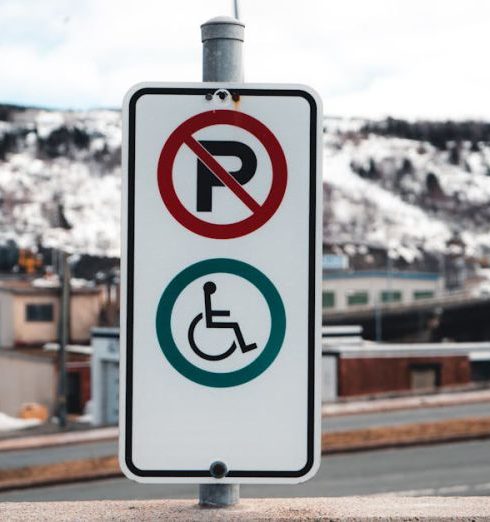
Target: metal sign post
{"x":222,"y":39}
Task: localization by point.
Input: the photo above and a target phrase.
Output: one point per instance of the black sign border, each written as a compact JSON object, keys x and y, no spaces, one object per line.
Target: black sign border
{"x":202,"y":91}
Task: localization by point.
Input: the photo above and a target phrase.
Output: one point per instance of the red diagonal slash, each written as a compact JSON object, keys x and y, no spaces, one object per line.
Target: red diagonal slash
{"x":225,"y":177}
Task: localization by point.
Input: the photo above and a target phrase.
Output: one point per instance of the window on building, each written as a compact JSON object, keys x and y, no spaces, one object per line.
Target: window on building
{"x":73,"y":392}
{"x":480,"y":371}
{"x":39,"y":312}
{"x":328,"y":299}
{"x":391,"y":296}
{"x":357,"y":298}
{"x":423,"y":294}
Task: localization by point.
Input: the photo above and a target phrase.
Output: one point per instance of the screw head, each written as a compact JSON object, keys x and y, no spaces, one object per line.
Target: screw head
{"x":218,"y":469}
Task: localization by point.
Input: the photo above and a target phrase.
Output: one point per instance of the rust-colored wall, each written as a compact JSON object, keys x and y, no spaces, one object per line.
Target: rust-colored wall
{"x":366,"y":376}
{"x":85,"y":391}
{"x":83,"y":369}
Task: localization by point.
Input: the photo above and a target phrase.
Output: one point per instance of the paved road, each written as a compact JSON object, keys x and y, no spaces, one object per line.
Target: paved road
{"x":15,"y":459}
{"x":446,"y":469}
{"x":38,"y":457}
{"x":390,"y":418}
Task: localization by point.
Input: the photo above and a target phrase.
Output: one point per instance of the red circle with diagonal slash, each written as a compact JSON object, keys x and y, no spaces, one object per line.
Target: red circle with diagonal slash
{"x":260,"y":213}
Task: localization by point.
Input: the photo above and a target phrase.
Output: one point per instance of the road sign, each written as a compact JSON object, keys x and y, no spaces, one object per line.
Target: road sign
{"x":220,"y":325}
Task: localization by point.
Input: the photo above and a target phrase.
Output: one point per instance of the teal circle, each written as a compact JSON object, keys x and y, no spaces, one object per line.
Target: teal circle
{"x":217,"y":379}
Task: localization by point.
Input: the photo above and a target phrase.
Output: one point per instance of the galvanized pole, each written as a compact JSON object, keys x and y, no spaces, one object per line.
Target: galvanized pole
{"x":222,"y":39}
{"x":236,"y":9}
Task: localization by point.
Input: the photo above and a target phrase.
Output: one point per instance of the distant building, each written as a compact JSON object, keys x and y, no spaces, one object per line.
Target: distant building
{"x":356,"y":367}
{"x":29,"y":332}
{"x":105,"y":375}
{"x":335,"y":262}
{"x":31,"y":375}
{"x":29,"y":314}
{"x":26,"y":377}
{"x":345,"y":290}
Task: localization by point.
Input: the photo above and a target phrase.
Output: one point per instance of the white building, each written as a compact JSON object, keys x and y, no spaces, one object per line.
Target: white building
{"x":345,"y":290}
{"x":105,"y":375}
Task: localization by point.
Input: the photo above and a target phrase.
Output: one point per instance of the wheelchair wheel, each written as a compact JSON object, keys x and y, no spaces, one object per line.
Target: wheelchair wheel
{"x":196,"y":350}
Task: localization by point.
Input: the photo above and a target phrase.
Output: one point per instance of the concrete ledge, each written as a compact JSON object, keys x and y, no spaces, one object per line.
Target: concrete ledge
{"x":345,"y":509}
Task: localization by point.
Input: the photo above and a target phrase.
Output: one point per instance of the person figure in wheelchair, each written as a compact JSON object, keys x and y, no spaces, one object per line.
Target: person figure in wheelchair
{"x":211,"y":320}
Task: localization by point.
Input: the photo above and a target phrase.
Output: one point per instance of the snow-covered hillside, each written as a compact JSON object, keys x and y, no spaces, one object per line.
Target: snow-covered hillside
{"x":60,"y":185}
{"x":60,"y":179}
{"x":405,"y":194}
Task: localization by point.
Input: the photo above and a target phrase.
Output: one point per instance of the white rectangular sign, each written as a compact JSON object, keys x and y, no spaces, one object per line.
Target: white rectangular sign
{"x":220,"y":320}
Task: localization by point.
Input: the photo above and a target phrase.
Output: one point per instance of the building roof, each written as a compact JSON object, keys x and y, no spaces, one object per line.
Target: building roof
{"x":37,"y":353}
{"x":370,"y":349}
{"x":28,"y":287}
{"x":385,"y":274}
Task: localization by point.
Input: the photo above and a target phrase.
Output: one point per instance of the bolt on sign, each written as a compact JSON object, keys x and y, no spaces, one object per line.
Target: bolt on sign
{"x":221,"y":275}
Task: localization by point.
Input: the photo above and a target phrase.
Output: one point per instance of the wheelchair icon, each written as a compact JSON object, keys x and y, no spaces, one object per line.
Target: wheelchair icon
{"x":209,"y":316}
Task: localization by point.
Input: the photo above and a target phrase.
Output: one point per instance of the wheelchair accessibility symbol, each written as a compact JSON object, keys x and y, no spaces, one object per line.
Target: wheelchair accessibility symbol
{"x":209,"y":289}
{"x":241,"y":346}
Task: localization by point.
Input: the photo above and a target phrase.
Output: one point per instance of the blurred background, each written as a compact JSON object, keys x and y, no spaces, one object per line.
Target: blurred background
{"x":406,"y":238}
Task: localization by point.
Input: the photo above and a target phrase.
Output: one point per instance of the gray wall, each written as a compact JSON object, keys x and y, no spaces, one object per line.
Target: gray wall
{"x":6,"y":320}
{"x":25,"y":379}
{"x":329,"y":378}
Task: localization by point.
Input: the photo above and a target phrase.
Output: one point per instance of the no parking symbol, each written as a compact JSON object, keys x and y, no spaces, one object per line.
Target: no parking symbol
{"x":211,"y":174}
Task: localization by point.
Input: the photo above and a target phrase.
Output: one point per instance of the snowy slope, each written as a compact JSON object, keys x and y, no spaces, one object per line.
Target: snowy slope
{"x":406,"y":195}
{"x":60,"y":180}
{"x":360,"y":211}
{"x":60,"y":186}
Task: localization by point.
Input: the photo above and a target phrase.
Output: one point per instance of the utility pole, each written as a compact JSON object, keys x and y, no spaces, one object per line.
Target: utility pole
{"x":378,"y":320}
{"x":64,"y":334}
{"x":222,"y":39}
